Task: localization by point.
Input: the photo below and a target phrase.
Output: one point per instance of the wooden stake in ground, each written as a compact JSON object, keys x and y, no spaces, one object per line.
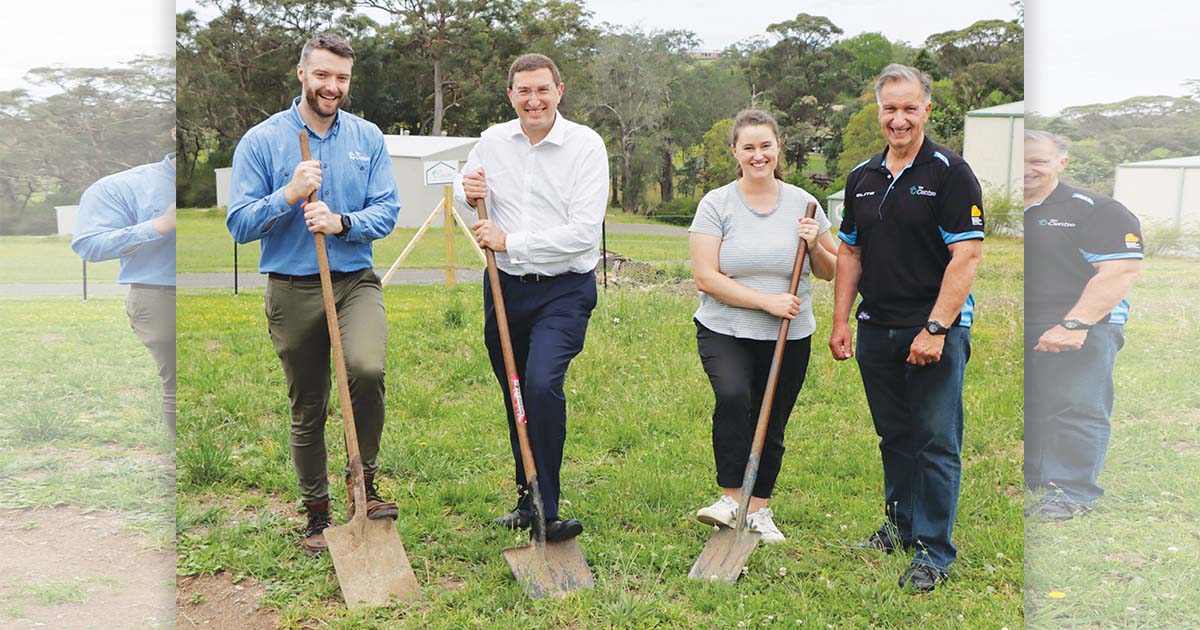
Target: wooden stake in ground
{"x":372,"y":567}
{"x":726,"y":553}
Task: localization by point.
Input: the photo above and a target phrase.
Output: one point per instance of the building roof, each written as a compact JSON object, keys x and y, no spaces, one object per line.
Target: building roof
{"x":421,"y":146}
{"x":1008,"y":110}
{"x":1179,"y":162}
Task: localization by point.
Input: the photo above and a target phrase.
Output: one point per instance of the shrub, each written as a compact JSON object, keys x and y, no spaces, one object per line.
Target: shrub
{"x":679,"y":211}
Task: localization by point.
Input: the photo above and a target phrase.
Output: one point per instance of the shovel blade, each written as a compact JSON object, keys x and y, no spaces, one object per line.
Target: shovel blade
{"x":371,"y":565}
{"x":725,"y":555}
{"x":557,"y":568}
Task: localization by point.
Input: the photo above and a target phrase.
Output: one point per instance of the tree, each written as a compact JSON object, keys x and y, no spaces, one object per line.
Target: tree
{"x":716,"y":153}
{"x":869,"y":53}
{"x":862,"y":137}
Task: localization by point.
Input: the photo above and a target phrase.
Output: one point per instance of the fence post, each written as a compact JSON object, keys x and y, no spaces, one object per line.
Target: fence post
{"x":448,"y":206}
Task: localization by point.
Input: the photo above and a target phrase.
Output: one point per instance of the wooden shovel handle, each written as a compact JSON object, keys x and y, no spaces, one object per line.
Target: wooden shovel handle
{"x":764,"y":415}
{"x":514,"y":388}
{"x":339,"y":359}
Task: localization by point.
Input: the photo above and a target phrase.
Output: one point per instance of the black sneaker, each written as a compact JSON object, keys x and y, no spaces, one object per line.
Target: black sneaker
{"x":1056,"y":511}
{"x":922,"y":578}
{"x":879,"y":541}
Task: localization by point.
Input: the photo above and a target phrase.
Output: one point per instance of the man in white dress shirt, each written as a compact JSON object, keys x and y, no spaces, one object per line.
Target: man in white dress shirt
{"x":545,"y":181}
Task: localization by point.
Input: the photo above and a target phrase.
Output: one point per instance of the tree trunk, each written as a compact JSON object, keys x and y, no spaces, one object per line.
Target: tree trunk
{"x":628,"y":195}
{"x":615,"y":186}
{"x":666,"y":181}
{"x":437,"y":97}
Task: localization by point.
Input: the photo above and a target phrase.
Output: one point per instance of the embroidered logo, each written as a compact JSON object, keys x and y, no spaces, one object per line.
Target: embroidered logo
{"x":1055,"y":223}
{"x":921,"y":190}
{"x":865,"y":194}
{"x":1132,"y":241}
{"x":976,"y":215}
{"x":359,"y":157}
{"x":864,"y":316}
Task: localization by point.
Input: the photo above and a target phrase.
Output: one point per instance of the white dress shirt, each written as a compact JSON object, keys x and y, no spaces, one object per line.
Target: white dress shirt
{"x":549,"y":197}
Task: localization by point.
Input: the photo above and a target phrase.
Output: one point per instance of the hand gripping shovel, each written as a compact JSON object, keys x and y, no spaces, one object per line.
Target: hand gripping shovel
{"x":726,"y":553}
{"x":368,"y":556}
{"x":543,"y":568}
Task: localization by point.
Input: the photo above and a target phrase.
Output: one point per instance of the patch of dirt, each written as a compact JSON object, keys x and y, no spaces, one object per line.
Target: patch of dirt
{"x":214,"y":601}
{"x":1186,"y":448}
{"x":56,"y":557}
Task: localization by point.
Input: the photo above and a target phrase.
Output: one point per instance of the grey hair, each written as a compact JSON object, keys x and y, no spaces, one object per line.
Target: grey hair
{"x":1061,"y":144}
{"x":901,"y":72}
{"x":326,"y":41}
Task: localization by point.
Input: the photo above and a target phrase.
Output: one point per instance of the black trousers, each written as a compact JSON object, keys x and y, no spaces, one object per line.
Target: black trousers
{"x":547,"y":321}
{"x":738,"y":369}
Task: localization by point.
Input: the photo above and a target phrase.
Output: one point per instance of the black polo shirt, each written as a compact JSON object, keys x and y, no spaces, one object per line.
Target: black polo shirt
{"x":1065,"y":234}
{"x":903,"y":229}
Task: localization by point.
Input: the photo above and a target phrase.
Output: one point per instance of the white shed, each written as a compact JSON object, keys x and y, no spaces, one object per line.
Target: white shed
{"x":833,"y":207}
{"x":66,"y":217}
{"x":409,"y":153}
{"x":1162,"y":191}
{"x":994,"y":146}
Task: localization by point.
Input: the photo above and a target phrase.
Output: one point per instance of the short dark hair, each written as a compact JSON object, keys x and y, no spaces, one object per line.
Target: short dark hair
{"x":326,"y":41}
{"x":756,"y":118}
{"x":532,"y":61}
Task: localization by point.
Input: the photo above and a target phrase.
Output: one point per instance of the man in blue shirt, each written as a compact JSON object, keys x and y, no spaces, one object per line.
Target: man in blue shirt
{"x":131,"y":216}
{"x":351,"y":172}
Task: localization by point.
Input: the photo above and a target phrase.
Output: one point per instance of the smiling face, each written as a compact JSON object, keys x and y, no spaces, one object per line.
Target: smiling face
{"x":535,"y":97}
{"x":326,"y":80}
{"x":1043,"y":165}
{"x":903,"y":112}
{"x":756,"y":149}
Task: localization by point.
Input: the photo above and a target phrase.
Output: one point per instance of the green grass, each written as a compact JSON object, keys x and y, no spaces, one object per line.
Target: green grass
{"x":1132,"y":562}
{"x":204,"y":245}
{"x":48,"y":260}
{"x":81,"y":422}
{"x":638,"y":465}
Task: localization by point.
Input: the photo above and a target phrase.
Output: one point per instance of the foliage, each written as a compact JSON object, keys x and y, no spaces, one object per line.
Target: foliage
{"x":862,"y":137}
{"x":677,"y":211}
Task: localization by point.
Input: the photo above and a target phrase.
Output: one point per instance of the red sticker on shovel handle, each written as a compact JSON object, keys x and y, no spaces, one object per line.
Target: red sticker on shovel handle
{"x":514,"y":387}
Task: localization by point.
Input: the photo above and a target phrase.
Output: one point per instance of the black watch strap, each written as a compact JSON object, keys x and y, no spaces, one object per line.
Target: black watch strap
{"x":345,"y":226}
{"x":935,"y":327}
{"x":1075,"y":324}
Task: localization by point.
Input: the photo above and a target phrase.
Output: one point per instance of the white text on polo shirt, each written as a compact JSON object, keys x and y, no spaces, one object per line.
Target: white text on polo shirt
{"x":921,"y":190}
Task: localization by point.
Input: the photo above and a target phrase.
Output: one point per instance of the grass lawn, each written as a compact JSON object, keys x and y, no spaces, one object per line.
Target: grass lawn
{"x":81,"y":437}
{"x":1133,"y":562}
{"x":204,"y":245}
{"x":48,"y":260}
{"x":638,"y":464}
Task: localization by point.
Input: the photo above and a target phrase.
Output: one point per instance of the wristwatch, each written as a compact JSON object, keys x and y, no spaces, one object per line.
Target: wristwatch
{"x":345,"y":226}
{"x":935,"y":327}
{"x":1075,"y":324}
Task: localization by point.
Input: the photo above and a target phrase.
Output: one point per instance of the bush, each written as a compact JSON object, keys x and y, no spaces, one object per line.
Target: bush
{"x":1164,"y":238}
{"x":1003,"y":212}
{"x":679,"y":211}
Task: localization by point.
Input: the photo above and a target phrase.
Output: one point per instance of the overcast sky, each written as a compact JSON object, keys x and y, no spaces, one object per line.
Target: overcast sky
{"x":1079,"y":52}
{"x":82,"y":34}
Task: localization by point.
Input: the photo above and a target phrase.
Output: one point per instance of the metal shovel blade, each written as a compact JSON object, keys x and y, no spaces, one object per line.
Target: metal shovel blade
{"x":725,"y":555}
{"x":371,"y":565}
{"x":556,"y":568}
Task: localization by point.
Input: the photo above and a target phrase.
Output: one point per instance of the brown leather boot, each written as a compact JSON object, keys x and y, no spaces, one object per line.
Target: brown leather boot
{"x":376,"y":507}
{"x":318,"y":521}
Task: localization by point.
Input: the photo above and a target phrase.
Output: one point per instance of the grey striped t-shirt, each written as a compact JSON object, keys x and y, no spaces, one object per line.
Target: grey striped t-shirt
{"x":757,"y":250}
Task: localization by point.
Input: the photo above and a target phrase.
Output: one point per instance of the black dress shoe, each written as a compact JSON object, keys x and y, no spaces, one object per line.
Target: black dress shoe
{"x":516,"y":519}
{"x":922,"y":578}
{"x":558,"y":531}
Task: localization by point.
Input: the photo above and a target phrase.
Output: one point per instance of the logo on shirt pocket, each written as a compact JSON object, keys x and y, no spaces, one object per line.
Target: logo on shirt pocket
{"x":921,"y":190}
{"x":359,"y":157}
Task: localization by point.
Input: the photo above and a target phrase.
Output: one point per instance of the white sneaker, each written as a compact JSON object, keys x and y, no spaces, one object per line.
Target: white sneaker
{"x":722,"y":513}
{"x":761,"y":522}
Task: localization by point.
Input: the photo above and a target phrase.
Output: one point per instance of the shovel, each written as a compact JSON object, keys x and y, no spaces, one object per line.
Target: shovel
{"x":725,"y":555}
{"x":369,"y":558}
{"x":543,"y":568}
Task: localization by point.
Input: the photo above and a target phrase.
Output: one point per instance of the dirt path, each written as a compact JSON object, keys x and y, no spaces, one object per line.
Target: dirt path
{"x":67,"y":569}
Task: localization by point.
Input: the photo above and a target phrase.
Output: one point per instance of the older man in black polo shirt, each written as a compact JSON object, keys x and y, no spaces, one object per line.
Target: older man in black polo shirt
{"x":912,"y":233}
{"x":1083,"y":251}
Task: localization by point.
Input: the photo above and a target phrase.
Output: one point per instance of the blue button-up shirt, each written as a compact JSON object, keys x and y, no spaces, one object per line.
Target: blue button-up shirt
{"x":116,"y":220}
{"x":356,"y":179}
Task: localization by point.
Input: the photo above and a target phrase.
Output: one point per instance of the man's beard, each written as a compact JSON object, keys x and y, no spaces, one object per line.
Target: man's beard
{"x":314,"y":103}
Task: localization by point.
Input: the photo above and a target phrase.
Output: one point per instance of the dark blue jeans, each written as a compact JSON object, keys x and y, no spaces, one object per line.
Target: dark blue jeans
{"x":547,"y":321}
{"x":918,"y":416}
{"x":1068,"y":404}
